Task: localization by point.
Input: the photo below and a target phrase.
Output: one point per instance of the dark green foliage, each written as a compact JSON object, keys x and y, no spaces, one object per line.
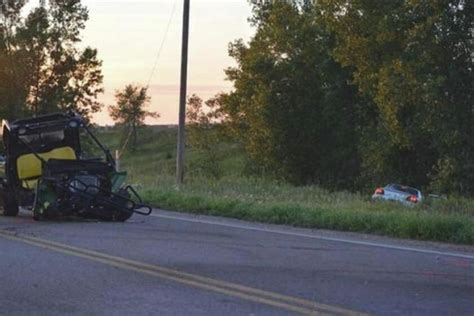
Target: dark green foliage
{"x":204,"y":134}
{"x":13,"y":72}
{"x":414,"y":60}
{"x":41,"y":67}
{"x":292,"y":105}
{"x":353,"y":94}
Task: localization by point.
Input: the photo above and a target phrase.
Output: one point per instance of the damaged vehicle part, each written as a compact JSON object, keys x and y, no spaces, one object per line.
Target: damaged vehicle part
{"x":48,"y":171}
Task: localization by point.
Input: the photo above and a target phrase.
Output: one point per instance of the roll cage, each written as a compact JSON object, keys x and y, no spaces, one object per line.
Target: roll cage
{"x":45,"y":168}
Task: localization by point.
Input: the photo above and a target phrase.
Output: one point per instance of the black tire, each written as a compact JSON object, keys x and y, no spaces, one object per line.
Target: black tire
{"x":10,"y":205}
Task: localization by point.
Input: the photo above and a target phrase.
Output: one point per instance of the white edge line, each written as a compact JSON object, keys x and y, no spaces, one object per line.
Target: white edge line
{"x":342,"y":240}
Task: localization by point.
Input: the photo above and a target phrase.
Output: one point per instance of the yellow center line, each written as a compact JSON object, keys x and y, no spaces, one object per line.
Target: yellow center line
{"x":289,"y":303}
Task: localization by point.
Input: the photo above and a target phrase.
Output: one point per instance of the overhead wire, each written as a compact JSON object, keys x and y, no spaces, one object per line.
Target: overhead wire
{"x":153,"y":69}
{"x":160,"y":49}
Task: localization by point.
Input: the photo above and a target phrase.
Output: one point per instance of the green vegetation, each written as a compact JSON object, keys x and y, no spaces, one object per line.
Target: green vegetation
{"x":347,"y":94}
{"x":131,"y":111}
{"x":234,"y":194}
{"x":293,"y":107}
{"x":413,"y":60}
{"x":43,"y":65}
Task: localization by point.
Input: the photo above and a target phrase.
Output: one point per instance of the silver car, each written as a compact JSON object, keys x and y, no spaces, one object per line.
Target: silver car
{"x":400,"y":193}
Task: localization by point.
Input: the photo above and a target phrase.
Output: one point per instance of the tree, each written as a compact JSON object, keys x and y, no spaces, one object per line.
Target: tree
{"x":413,"y":59}
{"x":130,"y":109}
{"x":43,"y":68}
{"x":205,"y":131}
{"x":204,"y":121}
{"x":292,"y":106}
{"x":13,"y":72}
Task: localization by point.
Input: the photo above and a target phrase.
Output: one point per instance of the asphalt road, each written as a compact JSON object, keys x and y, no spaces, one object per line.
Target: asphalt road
{"x":176,"y":264}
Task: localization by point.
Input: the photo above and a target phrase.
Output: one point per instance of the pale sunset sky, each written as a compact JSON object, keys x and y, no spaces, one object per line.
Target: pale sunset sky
{"x":128,"y":35}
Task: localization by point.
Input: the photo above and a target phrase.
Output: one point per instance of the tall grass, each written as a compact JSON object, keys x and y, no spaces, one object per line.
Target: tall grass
{"x":265,"y":200}
{"x":258,"y":200}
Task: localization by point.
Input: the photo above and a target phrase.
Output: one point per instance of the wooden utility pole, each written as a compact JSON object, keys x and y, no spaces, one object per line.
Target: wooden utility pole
{"x":182,"y":96}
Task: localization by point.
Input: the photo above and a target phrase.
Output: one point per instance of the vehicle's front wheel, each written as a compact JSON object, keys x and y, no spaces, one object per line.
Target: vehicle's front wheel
{"x":10,"y":205}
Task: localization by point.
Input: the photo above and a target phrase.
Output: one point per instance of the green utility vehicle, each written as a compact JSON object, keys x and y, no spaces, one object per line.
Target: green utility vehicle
{"x":47,"y":170}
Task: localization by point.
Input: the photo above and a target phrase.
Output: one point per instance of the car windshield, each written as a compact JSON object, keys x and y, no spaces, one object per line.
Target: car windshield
{"x":404,"y":189}
{"x":43,"y":138}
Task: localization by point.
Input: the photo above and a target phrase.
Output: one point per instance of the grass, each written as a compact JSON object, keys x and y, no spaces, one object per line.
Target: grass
{"x":264,"y":200}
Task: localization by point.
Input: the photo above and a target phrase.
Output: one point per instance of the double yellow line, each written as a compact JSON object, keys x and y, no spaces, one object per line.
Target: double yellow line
{"x":285,"y":302}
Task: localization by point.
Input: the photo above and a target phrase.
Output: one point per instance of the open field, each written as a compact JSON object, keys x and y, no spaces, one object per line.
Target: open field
{"x":237,"y":195}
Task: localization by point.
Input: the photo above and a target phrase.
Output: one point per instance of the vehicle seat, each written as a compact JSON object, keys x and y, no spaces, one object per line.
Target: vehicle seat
{"x":29,"y":166}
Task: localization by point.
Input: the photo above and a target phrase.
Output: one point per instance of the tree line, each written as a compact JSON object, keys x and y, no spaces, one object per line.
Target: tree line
{"x":44,"y":69}
{"x":351,"y":94}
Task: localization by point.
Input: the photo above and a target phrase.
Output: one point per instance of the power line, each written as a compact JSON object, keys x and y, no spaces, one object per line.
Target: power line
{"x":158,"y":53}
{"x":124,"y":146}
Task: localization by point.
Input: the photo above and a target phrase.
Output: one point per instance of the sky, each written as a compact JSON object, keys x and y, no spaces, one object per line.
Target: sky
{"x":128,"y":35}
